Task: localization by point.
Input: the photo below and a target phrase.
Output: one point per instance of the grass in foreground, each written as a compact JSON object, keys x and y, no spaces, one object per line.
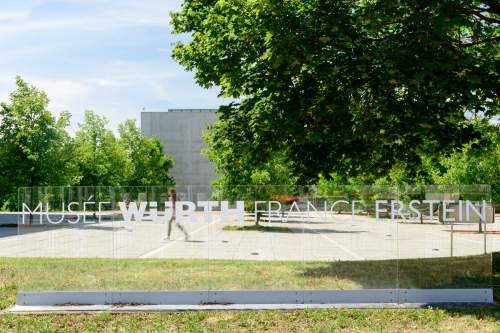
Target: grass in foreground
{"x":100,"y":274}
{"x":39,"y":274}
{"x":411,"y":320}
{"x":200,"y":274}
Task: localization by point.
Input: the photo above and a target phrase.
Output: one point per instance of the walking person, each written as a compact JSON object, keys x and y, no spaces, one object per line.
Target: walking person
{"x":173,"y":200}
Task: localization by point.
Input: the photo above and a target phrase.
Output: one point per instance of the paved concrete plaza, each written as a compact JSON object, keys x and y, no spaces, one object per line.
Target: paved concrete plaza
{"x":341,"y":237}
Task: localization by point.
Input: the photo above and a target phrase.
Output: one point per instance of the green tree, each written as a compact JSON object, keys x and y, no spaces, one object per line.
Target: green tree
{"x":35,"y":148}
{"x":150,"y":166}
{"x":477,"y":162}
{"x":349,"y":86}
{"x":101,"y":159}
{"x":235,"y":165}
{"x":239,"y":177}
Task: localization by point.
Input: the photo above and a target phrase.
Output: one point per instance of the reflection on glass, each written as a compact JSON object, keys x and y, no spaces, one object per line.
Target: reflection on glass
{"x":253,"y":237}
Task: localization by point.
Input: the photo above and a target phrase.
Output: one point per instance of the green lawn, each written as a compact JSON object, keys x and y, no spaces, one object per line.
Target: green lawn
{"x":140,"y":274}
{"x":423,"y":320}
{"x":198,"y":274}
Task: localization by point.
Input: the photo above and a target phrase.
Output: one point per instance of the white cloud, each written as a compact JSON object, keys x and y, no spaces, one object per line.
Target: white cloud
{"x":119,"y":90}
{"x":106,"y":15}
{"x":115,"y":73}
{"x":16,"y":14}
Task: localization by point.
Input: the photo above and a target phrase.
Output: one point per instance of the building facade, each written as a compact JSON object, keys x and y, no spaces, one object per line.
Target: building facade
{"x":180,"y":131}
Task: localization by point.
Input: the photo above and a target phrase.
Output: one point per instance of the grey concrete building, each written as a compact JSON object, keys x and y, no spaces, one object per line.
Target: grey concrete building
{"x":180,"y":131}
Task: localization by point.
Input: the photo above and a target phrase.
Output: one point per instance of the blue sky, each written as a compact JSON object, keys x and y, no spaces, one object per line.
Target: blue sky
{"x":112,"y":56}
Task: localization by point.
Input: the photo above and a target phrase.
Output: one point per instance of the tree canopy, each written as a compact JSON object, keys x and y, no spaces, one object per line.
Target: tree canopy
{"x":477,"y":162}
{"x":36,"y":149}
{"x":347,"y":86}
{"x":34,"y":146}
{"x":100,"y":157}
{"x":150,"y":166}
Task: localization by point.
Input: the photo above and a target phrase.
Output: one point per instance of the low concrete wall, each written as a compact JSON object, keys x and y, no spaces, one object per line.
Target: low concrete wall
{"x":361,"y":296}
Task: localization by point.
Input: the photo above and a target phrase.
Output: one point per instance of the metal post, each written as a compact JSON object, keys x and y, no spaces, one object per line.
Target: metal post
{"x":485,"y":238}
{"x":451,"y":240}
